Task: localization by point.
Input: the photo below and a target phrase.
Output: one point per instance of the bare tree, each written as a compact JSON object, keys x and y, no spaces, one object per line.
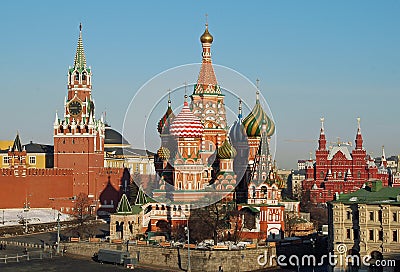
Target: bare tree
{"x":211,"y":221}
{"x":82,"y":208}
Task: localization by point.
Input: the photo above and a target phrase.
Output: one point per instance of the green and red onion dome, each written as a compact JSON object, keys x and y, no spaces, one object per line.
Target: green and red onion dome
{"x":254,"y":121}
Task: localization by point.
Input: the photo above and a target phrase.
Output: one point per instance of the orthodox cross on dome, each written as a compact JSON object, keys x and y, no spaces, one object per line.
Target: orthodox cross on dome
{"x":258,"y":84}
{"x":185,"y":83}
{"x":206,"y":19}
{"x":311,"y":156}
{"x":240,"y":108}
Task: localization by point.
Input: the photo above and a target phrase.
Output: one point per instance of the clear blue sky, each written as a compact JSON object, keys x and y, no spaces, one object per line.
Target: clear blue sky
{"x":337,"y":59}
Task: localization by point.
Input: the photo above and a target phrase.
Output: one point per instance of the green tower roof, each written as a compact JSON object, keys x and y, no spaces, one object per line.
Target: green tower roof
{"x":123,"y":206}
{"x":80,"y":59}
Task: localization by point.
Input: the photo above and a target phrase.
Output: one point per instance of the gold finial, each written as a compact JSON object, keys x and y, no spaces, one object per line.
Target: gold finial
{"x":358,"y":122}
{"x":322,"y":122}
{"x":338,"y":141}
{"x":310,"y":156}
{"x":206,"y":37}
{"x":258,"y":84}
{"x":169,"y":97}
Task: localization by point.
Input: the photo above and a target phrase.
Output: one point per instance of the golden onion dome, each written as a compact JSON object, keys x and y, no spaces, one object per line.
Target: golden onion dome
{"x":163,"y":153}
{"x":226,"y":151}
{"x":206,"y":37}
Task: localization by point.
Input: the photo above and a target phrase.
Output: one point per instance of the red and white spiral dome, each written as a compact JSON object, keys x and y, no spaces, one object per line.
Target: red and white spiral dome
{"x":186,"y":124}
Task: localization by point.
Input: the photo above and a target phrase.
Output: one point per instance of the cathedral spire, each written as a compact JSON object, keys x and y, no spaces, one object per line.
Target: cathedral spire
{"x":207,"y":81}
{"x":80,"y":59}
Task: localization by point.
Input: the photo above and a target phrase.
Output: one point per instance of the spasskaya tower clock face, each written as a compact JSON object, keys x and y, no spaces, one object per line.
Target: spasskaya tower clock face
{"x":75,"y":108}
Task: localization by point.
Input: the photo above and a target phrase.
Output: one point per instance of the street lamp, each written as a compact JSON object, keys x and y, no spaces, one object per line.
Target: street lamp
{"x":26,"y":209}
{"x":58,"y":232}
{"x":188,"y":243}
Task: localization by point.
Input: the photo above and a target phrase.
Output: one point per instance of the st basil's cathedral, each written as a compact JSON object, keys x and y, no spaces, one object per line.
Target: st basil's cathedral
{"x":201,"y":159}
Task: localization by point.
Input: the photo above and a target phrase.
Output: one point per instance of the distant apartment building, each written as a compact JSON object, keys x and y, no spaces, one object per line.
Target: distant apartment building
{"x":366,"y":222}
{"x":301,"y":164}
{"x":294,"y":183}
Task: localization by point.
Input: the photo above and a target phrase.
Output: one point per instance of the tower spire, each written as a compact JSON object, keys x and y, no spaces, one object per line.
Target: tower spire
{"x":207,"y":81}
{"x":80,"y":59}
{"x":322,"y":138}
{"x":359,"y":139}
{"x":322,"y":125}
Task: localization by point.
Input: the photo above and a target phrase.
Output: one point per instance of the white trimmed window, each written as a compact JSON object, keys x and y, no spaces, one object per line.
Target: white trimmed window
{"x":32,"y":159}
{"x":6,"y":159}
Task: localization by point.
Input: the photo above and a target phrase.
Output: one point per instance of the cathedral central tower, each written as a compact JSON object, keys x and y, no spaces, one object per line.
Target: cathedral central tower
{"x":208,"y":101}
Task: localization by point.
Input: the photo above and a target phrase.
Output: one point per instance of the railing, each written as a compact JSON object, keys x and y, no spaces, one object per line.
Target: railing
{"x":32,"y":255}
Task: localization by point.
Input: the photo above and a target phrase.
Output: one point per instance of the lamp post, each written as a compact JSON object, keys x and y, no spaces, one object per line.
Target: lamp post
{"x":58,"y":232}
{"x":188,"y":242}
{"x":26,"y":209}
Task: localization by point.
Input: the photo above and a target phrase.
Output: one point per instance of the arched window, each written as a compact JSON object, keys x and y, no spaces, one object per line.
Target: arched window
{"x":84,"y":76}
{"x":76,"y":76}
{"x":358,"y":174}
{"x":253,"y":188}
{"x":321,"y":174}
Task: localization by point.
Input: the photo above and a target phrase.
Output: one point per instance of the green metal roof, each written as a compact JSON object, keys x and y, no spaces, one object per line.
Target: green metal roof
{"x":123,"y":206}
{"x":80,"y":59}
{"x":373,"y":193}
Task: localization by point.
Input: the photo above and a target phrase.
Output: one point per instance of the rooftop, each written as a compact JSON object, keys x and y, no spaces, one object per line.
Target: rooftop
{"x":372,"y":193}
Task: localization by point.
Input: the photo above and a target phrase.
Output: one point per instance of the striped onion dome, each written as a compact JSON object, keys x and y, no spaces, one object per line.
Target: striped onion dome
{"x":253,"y":122}
{"x":237,"y":133}
{"x":226,"y":150}
{"x":186,"y":124}
{"x":166,"y":120}
{"x":163,"y":153}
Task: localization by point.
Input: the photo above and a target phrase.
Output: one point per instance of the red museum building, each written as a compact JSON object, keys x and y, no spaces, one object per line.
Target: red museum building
{"x":338,"y":170}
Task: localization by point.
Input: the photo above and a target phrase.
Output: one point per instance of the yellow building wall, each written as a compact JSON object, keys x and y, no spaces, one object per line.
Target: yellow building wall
{"x":40,"y":160}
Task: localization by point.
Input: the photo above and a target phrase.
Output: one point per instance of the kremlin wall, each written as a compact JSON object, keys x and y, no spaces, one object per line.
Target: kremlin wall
{"x":78,"y":156}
